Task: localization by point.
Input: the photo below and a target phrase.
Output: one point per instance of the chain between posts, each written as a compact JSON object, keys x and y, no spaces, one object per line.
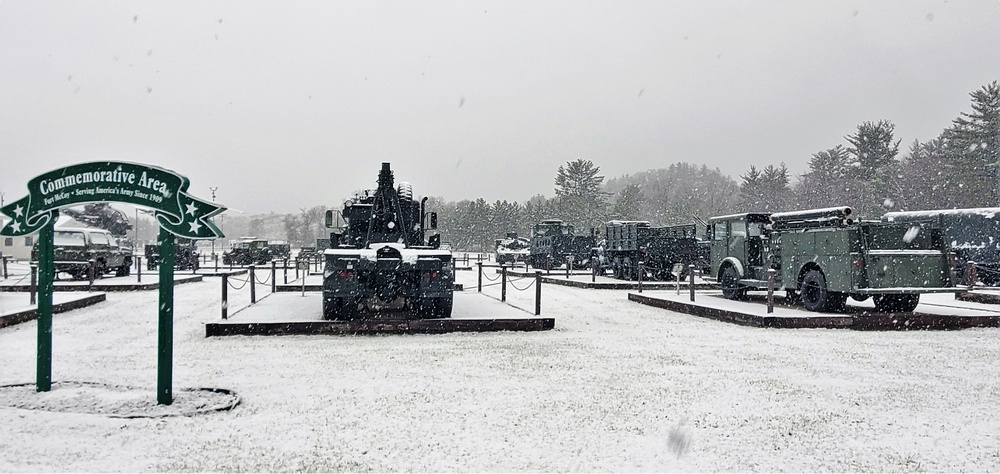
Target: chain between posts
{"x":537,"y":282}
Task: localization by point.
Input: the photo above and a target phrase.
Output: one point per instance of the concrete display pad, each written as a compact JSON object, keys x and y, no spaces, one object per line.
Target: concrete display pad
{"x":289,"y":313}
{"x":935,"y":311}
{"x":109,"y":284}
{"x":17,"y":308}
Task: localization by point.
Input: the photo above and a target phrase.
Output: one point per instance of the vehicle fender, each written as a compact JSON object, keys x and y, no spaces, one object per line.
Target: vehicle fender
{"x":735,"y":262}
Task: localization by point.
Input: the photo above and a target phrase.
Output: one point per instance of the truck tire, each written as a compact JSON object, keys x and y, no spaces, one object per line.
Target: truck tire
{"x":816,"y":296}
{"x":729,"y":280}
{"x":629,"y":270}
{"x":896,"y":303}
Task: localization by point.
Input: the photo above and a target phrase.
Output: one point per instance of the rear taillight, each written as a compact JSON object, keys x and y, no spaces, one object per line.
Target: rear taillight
{"x":346,"y":274}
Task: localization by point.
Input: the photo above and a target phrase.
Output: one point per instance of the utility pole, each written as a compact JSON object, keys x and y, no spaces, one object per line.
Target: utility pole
{"x":213,"y":202}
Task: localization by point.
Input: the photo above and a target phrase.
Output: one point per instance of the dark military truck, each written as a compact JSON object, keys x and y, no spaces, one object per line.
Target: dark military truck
{"x":186,"y":255}
{"x":75,"y":247}
{"x":247,"y":251}
{"x":627,"y":243}
{"x":822,"y":256}
{"x":553,"y":241}
{"x":973,"y":234}
{"x":382,"y":266}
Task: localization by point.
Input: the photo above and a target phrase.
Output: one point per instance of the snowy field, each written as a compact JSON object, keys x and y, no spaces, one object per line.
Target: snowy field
{"x":617,"y":386}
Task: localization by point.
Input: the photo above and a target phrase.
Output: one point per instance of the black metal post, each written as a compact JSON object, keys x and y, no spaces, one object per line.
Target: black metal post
{"x":569,"y":263}
{"x":971,"y":274}
{"x":253,"y":286}
{"x":691,"y":277}
{"x":538,"y":292}
{"x":138,"y":269}
{"x":640,"y":276}
{"x":34,"y":282}
{"x":286,"y":271}
{"x":770,"y":290}
{"x":4,"y":258}
{"x":274,"y":281}
{"x":503,"y":283}
{"x":225,"y":296}
{"x":479,"y":287}
{"x":91,"y":273}
{"x":215,"y":257}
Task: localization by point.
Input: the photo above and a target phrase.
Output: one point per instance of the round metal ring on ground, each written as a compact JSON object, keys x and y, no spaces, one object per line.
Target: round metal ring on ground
{"x":116,"y":401}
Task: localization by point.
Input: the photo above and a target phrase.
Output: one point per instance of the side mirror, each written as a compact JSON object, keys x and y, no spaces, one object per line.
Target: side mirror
{"x":433,"y":225}
{"x":329,"y":219}
{"x":434,"y":241}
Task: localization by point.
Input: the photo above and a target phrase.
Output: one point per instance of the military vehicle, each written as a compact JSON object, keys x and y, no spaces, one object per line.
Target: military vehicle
{"x":381,"y":266}
{"x":552,"y":241}
{"x":247,"y":251}
{"x":186,"y":255}
{"x":75,"y":247}
{"x":973,"y":234}
{"x":822,"y":256}
{"x":626,"y":243}
{"x":512,"y":249}
{"x":102,"y":216}
{"x":307,"y":253}
{"x":280,"y":250}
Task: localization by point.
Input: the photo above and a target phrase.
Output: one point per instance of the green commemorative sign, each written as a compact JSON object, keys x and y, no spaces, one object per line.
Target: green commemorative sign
{"x":177,"y":213}
{"x":163,"y":190}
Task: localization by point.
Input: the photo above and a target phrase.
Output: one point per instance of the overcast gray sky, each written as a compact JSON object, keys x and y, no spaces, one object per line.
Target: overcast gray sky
{"x":284,"y":105}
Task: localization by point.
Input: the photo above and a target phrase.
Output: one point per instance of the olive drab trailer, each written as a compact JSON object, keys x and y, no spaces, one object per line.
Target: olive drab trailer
{"x":823,"y":256}
{"x":627,"y":243}
{"x":379,"y":264}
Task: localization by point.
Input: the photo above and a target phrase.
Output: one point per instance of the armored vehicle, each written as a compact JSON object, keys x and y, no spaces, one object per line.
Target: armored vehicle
{"x":822,"y":256}
{"x":552,"y":241}
{"x":382,"y":266}
{"x":75,"y":247}
{"x":248,"y":251}
{"x":626,"y":243}
{"x":512,"y":249}
{"x":186,"y":255}
{"x":973,"y":234}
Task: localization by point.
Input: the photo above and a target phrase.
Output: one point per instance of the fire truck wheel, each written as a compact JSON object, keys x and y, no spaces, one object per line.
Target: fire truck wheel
{"x":730,"y":283}
{"x":814,"y":294}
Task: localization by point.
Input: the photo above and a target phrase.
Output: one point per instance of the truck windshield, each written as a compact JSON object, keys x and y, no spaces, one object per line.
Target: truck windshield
{"x":68,"y":239}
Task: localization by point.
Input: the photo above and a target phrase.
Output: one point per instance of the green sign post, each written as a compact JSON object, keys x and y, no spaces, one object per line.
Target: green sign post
{"x":176,"y":212}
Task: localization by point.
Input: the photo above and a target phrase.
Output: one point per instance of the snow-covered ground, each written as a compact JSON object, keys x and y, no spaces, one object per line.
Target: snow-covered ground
{"x":617,"y":386}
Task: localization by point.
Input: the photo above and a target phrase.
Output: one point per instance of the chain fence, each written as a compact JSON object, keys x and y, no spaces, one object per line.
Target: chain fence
{"x":508,"y":280}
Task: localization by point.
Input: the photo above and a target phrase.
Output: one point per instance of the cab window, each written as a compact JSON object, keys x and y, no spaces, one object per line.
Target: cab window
{"x":739,"y":228}
{"x":720,"y":231}
{"x":71,"y":239}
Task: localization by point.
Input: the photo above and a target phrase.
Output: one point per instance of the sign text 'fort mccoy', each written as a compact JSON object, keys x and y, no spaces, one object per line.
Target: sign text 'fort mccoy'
{"x":108,"y":181}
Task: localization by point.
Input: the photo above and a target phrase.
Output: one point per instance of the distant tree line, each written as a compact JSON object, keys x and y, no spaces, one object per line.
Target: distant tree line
{"x":959,"y":168}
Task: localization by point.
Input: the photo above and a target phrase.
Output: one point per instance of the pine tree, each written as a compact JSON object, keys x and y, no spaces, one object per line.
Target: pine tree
{"x":578,"y":190}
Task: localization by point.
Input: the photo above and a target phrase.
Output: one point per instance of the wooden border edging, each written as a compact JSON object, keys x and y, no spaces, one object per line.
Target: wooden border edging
{"x":744,"y":319}
{"x":104,"y":288}
{"x":31,"y":314}
{"x":860,"y":320}
{"x":371,"y":327}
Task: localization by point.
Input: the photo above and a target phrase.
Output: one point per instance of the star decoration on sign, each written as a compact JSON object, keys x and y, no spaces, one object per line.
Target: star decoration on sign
{"x":16,"y":226}
{"x":191,"y":208}
{"x":195,"y":226}
{"x":18,"y":210}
